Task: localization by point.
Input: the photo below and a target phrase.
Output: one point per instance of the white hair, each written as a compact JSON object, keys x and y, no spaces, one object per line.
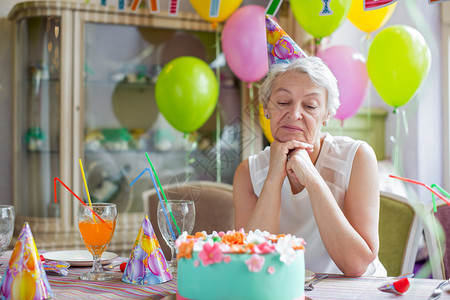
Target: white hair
{"x":317,"y":71}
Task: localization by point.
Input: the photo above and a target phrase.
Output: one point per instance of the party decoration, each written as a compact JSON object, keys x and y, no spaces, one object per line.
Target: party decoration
{"x":307,"y":14}
{"x":280,"y":46}
{"x":147,"y":264}
{"x":134,"y":4}
{"x":186,"y":93}
{"x":326,"y":10}
{"x":265,"y":125}
{"x":214,"y":8}
{"x":24,"y":277}
{"x":398,"y":62}
{"x":349,"y":68}
{"x":369,"y":20}
{"x":273,"y":7}
{"x":244,"y":43}
{"x":225,"y":9}
{"x":377,"y":4}
{"x":121,"y":4}
{"x":153,"y":6}
{"x":173,"y":7}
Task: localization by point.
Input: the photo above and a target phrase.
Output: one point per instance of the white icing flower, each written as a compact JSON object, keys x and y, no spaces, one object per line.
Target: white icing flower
{"x":284,"y":247}
{"x":255,"y":237}
{"x":181,"y":239}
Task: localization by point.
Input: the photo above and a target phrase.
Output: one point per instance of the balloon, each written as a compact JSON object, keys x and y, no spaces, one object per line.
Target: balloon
{"x":306,"y":12}
{"x":24,"y":286}
{"x":186,"y":93}
{"x":349,"y":68}
{"x":398,"y":61}
{"x":156,"y":263}
{"x":244,"y":43}
{"x":226,"y":8}
{"x":369,"y":20}
{"x":265,"y":124}
{"x":135,"y":270}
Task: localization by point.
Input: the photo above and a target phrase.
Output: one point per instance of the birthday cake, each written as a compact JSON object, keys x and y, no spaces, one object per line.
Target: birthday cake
{"x":236,"y":265}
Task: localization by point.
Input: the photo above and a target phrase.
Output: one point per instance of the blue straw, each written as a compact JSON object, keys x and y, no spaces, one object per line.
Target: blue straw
{"x":159,"y":197}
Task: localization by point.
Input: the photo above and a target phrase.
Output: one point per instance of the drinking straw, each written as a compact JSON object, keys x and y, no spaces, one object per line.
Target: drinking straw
{"x":422,"y":184}
{"x":162,"y":191}
{"x":85,"y":183}
{"x":159,"y":197}
{"x":76,"y":196}
{"x":442,"y":192}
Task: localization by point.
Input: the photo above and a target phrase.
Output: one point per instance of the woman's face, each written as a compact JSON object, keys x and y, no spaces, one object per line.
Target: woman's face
{"x":297,"y":108}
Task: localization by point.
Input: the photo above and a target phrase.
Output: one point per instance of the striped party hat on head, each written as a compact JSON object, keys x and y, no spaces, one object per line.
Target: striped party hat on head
{"x":281,"y":47}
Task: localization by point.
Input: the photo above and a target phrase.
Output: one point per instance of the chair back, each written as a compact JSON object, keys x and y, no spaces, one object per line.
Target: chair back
{"x":438,"y":246}
{"x":400,"y":229}
{"x":214,"y":207}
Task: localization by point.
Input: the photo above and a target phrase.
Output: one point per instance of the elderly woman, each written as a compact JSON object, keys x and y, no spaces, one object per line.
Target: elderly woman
{"x":309,"y":183}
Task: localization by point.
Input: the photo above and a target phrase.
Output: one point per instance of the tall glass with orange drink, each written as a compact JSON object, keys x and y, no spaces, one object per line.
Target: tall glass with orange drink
{"x":97,"y":224}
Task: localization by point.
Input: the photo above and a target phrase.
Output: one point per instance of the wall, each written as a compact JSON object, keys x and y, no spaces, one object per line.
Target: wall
{"x":422,"y":153}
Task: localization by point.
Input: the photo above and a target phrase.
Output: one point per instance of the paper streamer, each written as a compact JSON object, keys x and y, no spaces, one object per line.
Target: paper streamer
{"x":375,"y":4}
{"x":173,"y":7}
{"x":153,"y":6}
{"x":135,"y":4}
{"x":214,"y":8}
{"x":273,"y":7}
{"x":326,"y":11}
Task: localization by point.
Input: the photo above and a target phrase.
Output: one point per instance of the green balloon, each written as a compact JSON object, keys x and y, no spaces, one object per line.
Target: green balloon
{"x":398,"y":61}
{"x":186,"y":93}
{"x":310,"y":15}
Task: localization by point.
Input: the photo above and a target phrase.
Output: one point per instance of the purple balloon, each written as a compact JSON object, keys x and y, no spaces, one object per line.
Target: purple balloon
{"x":283,"y":49}
{"x":139,"y":253}
{"x":349,"y":68}
{"x":135,"y":270}
{"x":244,"y":43}
{"x":148,"y":228}
{"x":157,"y":263}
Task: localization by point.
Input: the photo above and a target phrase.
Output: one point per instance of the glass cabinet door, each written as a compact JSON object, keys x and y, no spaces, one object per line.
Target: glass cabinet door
{"x":122,"y":120}
{"x":37,"y":116}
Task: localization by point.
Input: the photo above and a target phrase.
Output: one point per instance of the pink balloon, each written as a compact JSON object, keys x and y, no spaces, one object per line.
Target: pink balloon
{"x":244,"y":43}
{"x":349,"y":67}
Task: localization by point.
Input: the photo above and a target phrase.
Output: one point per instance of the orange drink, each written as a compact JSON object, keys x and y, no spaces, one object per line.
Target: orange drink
{"x":96,"y":236}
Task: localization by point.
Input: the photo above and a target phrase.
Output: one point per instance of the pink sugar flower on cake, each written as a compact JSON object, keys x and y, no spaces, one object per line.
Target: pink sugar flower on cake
{"x":226,"y":258}
{"x":210,"y":254}
{"x":264,"y":248}
{"x":255,"y":263}
{"x":271,"y":270}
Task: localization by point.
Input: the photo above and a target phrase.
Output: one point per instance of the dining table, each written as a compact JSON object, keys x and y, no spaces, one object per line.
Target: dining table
{"x":332,"y":287}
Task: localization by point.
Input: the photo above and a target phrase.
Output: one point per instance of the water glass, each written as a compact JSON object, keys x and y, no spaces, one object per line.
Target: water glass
{"x":183,"y":212}
{"x":7,"y":216}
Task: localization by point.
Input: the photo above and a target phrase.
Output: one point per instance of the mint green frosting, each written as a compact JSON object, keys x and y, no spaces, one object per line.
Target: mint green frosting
{"x":234,"y":281}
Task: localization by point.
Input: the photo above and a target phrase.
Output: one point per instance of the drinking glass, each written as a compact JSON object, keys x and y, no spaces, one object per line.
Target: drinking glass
{"x":96,"y":234}
{"x":184,"y":213}
{"x":7,"y":215}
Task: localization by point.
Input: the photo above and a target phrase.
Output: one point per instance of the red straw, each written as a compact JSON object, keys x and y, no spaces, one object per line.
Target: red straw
{"x":79,"y":199}
{"x":422,"y":184}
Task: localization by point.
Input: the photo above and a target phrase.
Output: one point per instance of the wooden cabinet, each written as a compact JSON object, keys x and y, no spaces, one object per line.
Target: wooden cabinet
{"x":84,"y":78}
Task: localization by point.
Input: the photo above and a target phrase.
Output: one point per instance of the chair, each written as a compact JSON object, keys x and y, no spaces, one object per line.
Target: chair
{"x":400,"y":229}
{"x":214,"y":207}
{"x":436,"y":230}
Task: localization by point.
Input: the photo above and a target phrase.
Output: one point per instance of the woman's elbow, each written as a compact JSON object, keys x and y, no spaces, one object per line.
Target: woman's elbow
{"x":357,"y":268}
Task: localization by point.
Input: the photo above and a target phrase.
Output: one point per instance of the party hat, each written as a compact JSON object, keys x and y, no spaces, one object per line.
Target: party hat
{"x":281,"y":47}
{"x":25,"y":278}
{"x":147,"y":264}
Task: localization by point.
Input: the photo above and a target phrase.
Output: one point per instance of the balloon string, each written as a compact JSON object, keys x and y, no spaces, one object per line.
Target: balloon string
{"x":252,"y":116}
{"x":218,"y":150}
{"x":398,"y":166}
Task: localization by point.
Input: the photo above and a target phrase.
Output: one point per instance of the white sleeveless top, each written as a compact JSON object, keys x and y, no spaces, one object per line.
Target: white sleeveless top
{"x":334,"y":165}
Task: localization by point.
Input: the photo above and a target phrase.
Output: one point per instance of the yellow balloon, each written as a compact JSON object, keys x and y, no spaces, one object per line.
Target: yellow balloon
{"x":369,"y":20}
{"x":24,"y":286}
{"x":226,"y":8}
{"x":265,"y":124}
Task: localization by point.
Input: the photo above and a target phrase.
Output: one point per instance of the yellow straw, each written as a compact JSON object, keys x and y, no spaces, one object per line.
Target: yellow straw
{"x":85,"y":183}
